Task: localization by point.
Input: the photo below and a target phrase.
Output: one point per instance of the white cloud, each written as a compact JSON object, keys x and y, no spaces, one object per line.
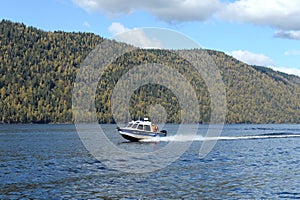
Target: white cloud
{"x":287,"y":70}
{"x":262,"y":60}
{"x":188,"y":10}
{"x":292,"y":53}
{"x":252,"y":58}
{"x":281,"y":14}
{"x":117,"y":28}
{"x":86,"y":24}
{"x":136,"y":37}
{"x":167,"y":10}
{"x":294,"y":35}
{"x":88,"y":5}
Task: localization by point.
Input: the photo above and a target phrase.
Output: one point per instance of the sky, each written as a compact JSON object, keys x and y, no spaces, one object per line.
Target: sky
{"x":265,"y":33}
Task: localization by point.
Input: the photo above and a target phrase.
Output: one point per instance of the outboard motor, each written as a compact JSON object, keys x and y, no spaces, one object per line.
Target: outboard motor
{"x":164,"y":132}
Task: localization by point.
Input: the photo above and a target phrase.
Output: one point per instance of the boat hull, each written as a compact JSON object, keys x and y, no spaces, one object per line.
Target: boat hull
{"x":137,"y":135}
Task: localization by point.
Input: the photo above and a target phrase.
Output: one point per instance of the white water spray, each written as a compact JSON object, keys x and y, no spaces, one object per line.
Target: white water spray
{"x":188,"y":138}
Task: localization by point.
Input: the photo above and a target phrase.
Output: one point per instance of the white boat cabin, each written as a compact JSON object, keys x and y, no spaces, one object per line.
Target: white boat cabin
{"x":144,"y":125}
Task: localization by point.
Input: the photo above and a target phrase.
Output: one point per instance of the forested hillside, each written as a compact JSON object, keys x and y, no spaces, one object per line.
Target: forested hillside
{"x":38,"y":70}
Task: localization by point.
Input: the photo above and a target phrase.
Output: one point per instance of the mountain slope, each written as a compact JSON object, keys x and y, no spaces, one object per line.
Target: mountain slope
{"x":38,"y":69}
{"x":258,"y":94}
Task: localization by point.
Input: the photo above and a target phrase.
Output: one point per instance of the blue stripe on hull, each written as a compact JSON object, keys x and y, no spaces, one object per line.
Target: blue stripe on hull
{"x":136,"y":135}
{"x":141,"y":133}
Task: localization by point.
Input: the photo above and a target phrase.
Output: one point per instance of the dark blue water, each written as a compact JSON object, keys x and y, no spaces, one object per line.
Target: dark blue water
{"x":248,"y":161}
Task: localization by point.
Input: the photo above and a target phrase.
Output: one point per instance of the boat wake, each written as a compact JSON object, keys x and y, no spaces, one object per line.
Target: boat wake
{"x":188,"y":138}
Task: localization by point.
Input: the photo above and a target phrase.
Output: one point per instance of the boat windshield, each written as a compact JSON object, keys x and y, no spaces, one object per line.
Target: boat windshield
{"x":135,"y":125}
{"x":129,"y":124}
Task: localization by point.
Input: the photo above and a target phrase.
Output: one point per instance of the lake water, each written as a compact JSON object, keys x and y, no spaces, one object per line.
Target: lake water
{"x":248,"y":161}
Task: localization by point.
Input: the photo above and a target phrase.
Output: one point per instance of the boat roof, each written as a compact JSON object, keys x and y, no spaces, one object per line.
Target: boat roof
{"x":144,"y":122}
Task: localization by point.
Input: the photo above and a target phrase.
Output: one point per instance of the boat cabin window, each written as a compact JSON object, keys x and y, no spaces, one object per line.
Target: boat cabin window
{"x":140,"y":127}
{"x":147,"y":128}
{"x":129,"y":125}
{"x":135,"y":125}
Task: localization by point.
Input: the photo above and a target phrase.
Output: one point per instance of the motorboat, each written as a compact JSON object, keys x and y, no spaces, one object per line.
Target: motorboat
{"x":141,"y":130}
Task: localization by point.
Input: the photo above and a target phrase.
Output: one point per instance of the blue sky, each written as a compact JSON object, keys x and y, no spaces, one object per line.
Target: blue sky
{"x":265,"y":32}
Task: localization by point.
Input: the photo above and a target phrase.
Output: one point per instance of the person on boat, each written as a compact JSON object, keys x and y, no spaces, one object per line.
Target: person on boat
{"x":155,"y":128}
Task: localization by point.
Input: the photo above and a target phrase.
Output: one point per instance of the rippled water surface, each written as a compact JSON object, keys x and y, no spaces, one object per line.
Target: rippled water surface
{"x":248,"y":161}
